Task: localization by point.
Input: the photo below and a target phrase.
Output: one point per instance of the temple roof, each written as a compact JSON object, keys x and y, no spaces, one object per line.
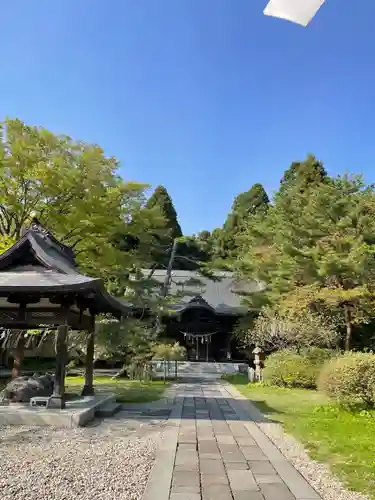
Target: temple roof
{"x":222,"y":294}
{"x":39,"y":264}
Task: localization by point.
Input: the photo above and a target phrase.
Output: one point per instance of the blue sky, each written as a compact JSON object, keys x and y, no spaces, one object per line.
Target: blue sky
{"x":205,"y":97}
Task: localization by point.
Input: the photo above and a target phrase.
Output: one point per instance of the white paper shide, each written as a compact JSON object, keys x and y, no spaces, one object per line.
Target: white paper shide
{"x":296,"y":11}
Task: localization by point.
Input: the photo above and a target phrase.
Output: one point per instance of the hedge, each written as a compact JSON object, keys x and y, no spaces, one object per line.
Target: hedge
{"x":350,"y":379}
{"x":291,"y":368}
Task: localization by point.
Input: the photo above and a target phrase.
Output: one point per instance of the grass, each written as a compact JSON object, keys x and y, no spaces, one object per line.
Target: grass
{"x":127,"y":391}
{"x":343,"y":440}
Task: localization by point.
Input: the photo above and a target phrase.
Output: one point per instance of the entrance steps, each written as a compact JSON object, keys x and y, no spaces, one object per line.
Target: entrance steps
{"x":208,"y":367}
{"x":199,"y":369}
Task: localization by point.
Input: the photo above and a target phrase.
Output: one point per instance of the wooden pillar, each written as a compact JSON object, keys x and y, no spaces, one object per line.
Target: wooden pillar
{"x":58,"y":396}
{"x":18,"y":353}
{"x":88,"y":388}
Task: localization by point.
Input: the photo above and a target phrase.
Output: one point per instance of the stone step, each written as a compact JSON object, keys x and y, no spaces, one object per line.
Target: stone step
{"x":108,"y":410}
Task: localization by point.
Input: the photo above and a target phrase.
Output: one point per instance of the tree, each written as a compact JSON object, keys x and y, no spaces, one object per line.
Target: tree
{"x":245,"y":207}
{"x":161,"y":199}
{"x":193,"y":252}
{"x":275,"y":330}
{"x":169,"y":352}
{"x":130,"y":341}
{"x":162,"y":202}
{"x":323,"y":256}
{"x":303,"y":175}
{"x":251,"y":202}
{"x":75,"y":191}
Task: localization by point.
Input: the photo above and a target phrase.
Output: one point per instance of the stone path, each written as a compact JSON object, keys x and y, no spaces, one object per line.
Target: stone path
{"x":213,"y":450}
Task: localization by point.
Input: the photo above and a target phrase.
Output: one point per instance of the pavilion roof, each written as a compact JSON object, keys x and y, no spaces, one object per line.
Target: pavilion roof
{"x":39,"y":264}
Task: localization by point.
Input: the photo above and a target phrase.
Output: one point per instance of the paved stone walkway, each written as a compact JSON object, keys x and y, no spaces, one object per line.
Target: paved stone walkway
{"x":213,"y":450}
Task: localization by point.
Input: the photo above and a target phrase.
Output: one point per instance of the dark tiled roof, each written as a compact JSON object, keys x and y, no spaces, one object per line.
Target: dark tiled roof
{"x":34,"y":278}
{"x":222,"y":294}
{"x":40,"y":263}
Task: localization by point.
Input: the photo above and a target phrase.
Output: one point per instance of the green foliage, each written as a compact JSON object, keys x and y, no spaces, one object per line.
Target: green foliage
{"x":169,"y":352}
{"x":161,"y":199}
{"x":6,"y":242}
{"x":350,"y":379}
{"x":289,"y":368}
{"x":302,"y":176}
{"x":274,"y":329}
{"x":245,"y":207}
{"x":194,"y":252}
{"x":75,"y":191}
{"x":315,"y":248}
{"x":161,"y":202}
{"x":130,"y":341}
{"x":318,"y":355}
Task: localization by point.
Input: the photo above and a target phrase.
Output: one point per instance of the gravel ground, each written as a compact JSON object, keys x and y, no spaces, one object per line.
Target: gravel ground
{"x":318,"y":475}
{"x":100,"y":463}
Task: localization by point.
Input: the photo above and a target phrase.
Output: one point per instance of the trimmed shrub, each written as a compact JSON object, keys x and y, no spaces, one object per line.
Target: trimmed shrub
{"x":289,"y":368}
{"x":317,"y":355}
{"x":350,"y":379}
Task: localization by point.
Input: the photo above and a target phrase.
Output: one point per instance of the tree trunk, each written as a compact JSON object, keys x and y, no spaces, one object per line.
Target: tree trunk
{"x":18,"y":355}
{"x":121,"y":373}
{"x":349,"y":328}
{"x":165,"y":287}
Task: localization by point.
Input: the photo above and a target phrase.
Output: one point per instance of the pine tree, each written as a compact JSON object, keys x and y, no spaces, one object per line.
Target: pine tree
{"x":160,"y":198}
{"x":245,"y":206}
{"x":318,"y":253}
{"x":302,"y":176}
{"x":161,"y":201}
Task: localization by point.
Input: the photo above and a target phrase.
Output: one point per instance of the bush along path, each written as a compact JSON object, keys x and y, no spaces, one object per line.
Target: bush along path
{"x":339,"y":442}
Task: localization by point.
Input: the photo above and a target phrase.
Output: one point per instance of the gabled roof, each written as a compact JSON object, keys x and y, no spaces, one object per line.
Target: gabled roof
{"x":39,"y":263}
{"x":222,"y":294}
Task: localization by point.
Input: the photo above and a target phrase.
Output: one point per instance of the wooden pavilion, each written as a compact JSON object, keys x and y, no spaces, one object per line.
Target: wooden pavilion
{"x":41,"y":287}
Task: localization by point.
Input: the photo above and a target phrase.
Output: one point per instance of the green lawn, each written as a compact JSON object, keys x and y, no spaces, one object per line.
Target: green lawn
{"x":344,"y":440}
{"x":127,"y":391}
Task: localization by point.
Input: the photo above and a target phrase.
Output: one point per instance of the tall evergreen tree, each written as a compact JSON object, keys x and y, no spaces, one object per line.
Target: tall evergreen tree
{"x":318,"y":252}
{"x":160,"y":198}
{"x":302,"y":175}
{"x":162,"y":202}
{"x":245,"y":206}
{"x":251,"y":202}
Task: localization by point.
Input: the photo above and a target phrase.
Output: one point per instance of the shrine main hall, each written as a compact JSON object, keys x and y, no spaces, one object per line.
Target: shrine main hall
{"x":204,"y":312}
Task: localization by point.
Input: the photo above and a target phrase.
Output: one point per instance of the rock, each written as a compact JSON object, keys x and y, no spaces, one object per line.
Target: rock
{"x":22,"y":389}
